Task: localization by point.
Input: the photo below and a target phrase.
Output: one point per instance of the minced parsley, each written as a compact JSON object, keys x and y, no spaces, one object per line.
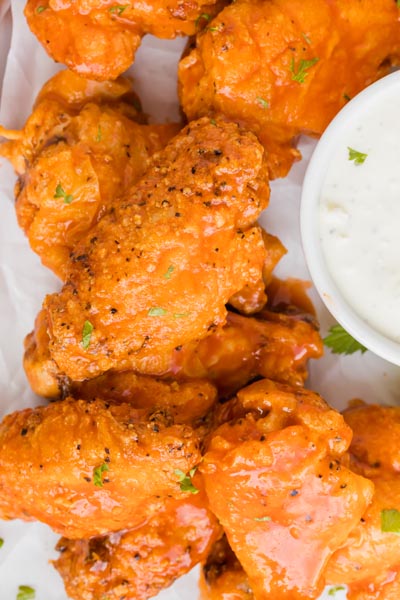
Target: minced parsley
{"x":98,"y":474}
{"x":336,"y":588}
{"x":301,"y":73}
{"x":390,"y":520}
{"x":185,"y":480}
{"x":61,"y":193}
{"x":25,"y":592}
{"x":118,"y":9}
{"x":157,"y":311}
{"x":87,"y":334}
{"x":169,"y":271}
{"x":356,"y":156}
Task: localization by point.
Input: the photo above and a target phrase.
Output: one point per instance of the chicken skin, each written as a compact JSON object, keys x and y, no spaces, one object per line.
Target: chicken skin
{"x":89,"y":468}
{"x":223,"y":576}
{"x":369,"y":561}
{"x":158,"y":269}
{"x":99,"y":39}
{"x":138,"y":563}
{"x":277,"y":480}
{"x":272,"y":344}
{"x":81,"y":148}
{"x":286,"y":67}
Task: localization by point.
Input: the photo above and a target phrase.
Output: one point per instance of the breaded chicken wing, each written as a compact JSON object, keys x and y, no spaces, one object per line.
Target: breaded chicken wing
{"x":223,"y":576}
{"x":286,"y":67}
{"x":158,"y":269}
{"x":277,"y":480}
{"x":272,"y":344}
{"x":99,"y":39}
{"x":81,"y":148}
{"x":369,"y":560}
{"x":90,"y":467}
{"x":138,"y":563}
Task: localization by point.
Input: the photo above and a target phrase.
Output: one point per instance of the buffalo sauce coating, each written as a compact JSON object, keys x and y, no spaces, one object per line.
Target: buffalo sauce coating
{"x":81,"y":148}
{"x":222,"y":575}
{"x":99,"y":39}
{"x":369,"y":561}
{"x":90,"y":467}
{"x":286,"y":67}
{"x":277,"y":482}
{"x":136,"y":564}
{"x":158,"y":269}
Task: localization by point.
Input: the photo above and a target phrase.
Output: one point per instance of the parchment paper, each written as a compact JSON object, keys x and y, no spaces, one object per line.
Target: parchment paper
{"x":24,"y":67}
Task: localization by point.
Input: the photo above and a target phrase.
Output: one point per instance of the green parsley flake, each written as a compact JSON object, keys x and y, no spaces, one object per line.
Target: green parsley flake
{"x":40,"y":9}
{"x":346,"y":97}
{"x":1,"y":542}
{"x":390,"y":520}
{"x":118,"y":9}
{"x":99,"y":134}
{"x":98,"y":474}
{"x":358,"y":157}
{"x":262,"y":102}
{"x":86,"y":334}
{"x":26,"y":593}
{"x":185,"y":480}
{"x":302,"y":69}
{"x":213,"y":122}
{"x":262,"y":519}
{"x":169,"y":271}
{"x":337,"y":588}
{"x":157,"y":311}
{"x":341,"y":342}
{"x":180,"y":315}
{"x":61,"y":193}
{"x":306,"y":38}
{"x":203,"y":16}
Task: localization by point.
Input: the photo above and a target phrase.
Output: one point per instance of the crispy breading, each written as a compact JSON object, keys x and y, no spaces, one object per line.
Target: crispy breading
{"x":91,"y":467}
{"x":137,"y":564}
{"x":159,"y":268}
{"x":99,"y":39}
{"x":286,"y":67}
{"x":81,"y":148}
{"x":277,"y":480}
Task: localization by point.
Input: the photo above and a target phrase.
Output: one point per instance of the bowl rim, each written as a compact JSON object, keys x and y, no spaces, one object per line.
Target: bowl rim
{"x":309,"y":223}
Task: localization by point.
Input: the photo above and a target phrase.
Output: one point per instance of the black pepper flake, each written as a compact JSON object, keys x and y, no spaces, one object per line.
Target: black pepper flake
{"x":343,"y":486}
{"x":177,"y":214}
{"x":137,"y":556}
{"x":294,"y":492}
{"x":78,"y":447}
{"x":87,"y":479}
{"x":107,"y":450}
{"x":178,"y":348}
{"x":24,"y":431}
{"x":113,"y":311}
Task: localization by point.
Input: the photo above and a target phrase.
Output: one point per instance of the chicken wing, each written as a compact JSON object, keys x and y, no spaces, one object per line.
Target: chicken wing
{"x":81,"y":148}
{"x":138,"y":563}
{"x":91,"y":467}
{"x":277,"y":480}
{"x":99,"y":39}
{"x":272,"y":344}
{"x":369,"y":560}
{"x":158,"y":269}
{"x":286,"y":67}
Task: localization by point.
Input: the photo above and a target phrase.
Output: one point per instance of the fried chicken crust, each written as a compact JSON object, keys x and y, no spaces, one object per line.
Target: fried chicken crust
{"x":277,"y":480}
{"x":88,"y":468}
{"x":81,"y":148}
{"x":99,"y":40}
{"x":286,"y":67}
{"x":369,"y":560}
{"x":272,"y":344}
{"x":138,"y":563}
{"x":158,"y":269}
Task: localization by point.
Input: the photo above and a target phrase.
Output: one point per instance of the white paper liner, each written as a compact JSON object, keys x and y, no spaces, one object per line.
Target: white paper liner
{"x":24,"y":67}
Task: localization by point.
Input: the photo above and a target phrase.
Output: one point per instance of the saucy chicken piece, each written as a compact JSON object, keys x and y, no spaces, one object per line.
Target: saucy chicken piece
{"x":159,"y":267}
{"x":91,"y":467}
{"x":369,"y":560}
{"x":286,"y":67}
{"x":222,"y":575}
{"x":136,"y":564}
{"x":271,"y":344}
{"x":277,"y":480}
{"x":80,"y":149}
{"x":99,"y":39}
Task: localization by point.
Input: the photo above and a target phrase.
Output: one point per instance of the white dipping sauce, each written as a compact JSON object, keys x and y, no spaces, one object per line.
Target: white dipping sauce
{"x":360,"y":215}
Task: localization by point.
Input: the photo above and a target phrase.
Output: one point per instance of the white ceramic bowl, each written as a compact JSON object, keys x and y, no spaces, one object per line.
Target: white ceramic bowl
{"x":310,"y":219}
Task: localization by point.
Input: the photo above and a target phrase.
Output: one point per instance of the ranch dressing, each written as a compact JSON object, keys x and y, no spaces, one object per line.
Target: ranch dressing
{"x":360,"y":215}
